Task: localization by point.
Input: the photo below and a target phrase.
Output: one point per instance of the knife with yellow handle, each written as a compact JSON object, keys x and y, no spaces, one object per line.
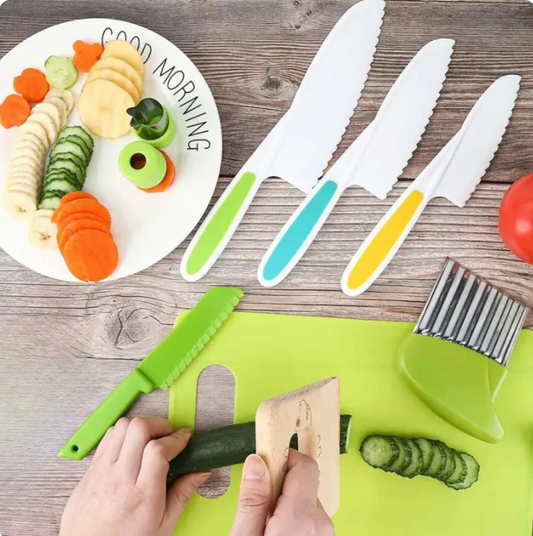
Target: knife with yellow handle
{"x":453,"y":174}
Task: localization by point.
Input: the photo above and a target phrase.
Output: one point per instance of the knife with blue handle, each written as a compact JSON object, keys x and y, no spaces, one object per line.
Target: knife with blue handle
{"x":374,"y":161}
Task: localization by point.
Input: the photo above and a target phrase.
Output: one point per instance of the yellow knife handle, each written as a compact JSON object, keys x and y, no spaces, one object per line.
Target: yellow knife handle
{"x":382,"y":244}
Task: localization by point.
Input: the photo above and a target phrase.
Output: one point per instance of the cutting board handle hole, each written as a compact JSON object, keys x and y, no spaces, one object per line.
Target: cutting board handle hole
{"x":215,"y":407}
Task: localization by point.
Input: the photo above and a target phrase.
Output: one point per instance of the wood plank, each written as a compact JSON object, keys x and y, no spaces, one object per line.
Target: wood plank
{"x":254,"y":57}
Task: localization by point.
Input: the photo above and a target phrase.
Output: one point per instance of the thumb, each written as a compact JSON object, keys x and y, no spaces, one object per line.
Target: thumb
{"x":254,"y":499}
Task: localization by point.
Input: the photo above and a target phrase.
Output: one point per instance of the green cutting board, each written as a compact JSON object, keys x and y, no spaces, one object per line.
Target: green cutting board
{"x":272,"y":354}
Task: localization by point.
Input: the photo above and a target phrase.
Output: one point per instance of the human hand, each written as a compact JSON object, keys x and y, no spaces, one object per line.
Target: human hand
{"x":124,"y":490}
{"x":298,"y":511}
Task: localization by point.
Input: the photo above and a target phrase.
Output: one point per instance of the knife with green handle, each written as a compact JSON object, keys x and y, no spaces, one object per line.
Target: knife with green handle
{"x":300,"y":146}
{"x":159,"y":369}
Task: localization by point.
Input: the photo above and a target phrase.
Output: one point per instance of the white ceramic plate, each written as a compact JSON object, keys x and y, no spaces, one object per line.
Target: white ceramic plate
{"x":146,"y":227}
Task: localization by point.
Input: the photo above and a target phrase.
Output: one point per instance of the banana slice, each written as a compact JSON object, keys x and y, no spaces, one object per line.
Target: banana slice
{"x":65,"y":95}
{"x":126,"y":52}
{"x":117,"y":78}
{"x":24,"y":155}
{"x":52,"y":111}
{"x":21,"y":187}
{"x":46,"y":122}
{"x":23,"y":162}
{"x":61,"y":108}
{"x":34,"y":131}
{"x":27,"y":148}
{"x":121,"y":67}
{"x":20,"y":204}
{"x":102,"y":107}
{"x":43,"y":233}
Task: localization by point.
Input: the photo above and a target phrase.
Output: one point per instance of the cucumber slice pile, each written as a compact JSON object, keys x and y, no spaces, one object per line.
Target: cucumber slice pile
{"x":67,"y":167}
{"x":420,"y":456}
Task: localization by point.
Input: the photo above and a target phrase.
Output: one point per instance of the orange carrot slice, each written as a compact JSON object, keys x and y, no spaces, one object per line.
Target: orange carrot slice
{"x":87,"y":54}
{"x":14,"y":111}
{"x":82,"y":216}
{"x":66,"y":231}
{"x":32,"y":85}
{"x":168,"y":179}
{"x":91,"y":255}
{"x":82,"y":205}
{"x":72,"y":196}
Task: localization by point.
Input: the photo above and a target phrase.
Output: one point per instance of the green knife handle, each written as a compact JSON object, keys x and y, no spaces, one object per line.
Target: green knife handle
{"x":88,"y":435}
{"x":219,"y":226}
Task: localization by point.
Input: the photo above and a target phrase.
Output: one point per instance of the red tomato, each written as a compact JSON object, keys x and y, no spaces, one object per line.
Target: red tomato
{"x":516,"y":218}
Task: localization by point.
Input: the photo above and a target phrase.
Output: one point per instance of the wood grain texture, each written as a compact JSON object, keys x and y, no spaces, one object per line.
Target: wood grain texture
{"x":63,"y":347}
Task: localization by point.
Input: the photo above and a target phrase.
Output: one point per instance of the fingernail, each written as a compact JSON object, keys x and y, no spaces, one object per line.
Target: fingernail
{"x":185,"y":431}
{"x":254,"y":468}
{"x":201,"y":479}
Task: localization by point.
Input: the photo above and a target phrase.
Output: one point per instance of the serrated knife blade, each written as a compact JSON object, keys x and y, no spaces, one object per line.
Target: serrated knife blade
{"x":374,"y":161}
{"x":307,"y":135}
{"x":454,"y":174}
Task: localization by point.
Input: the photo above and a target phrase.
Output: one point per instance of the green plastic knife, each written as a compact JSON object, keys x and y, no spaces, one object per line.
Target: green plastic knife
{"x":159,"y":369}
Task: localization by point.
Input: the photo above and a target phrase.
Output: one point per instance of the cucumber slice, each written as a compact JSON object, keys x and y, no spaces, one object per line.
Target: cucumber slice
{"x":427,"y":452}
{"x":62,"y":185}
{"x":415,"y":467}
{"x":69,"y":164}
{"x":404,"y":458}
{"x":438,"y":462}
{"x":379,"y":452}
{"x":81,"y":133}
{"x":461,"y":470}
{"x":472,"y":475}
{"x":449,"y":466}
{"x":60,"y":72}
{"x":72,"y":138}
{"x":68,"y":148}
{"x":63,"y":175}
{"x":52,"y":200}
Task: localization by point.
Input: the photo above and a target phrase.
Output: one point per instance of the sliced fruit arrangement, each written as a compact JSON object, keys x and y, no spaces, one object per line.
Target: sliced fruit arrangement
{"x":84,"y":237}
{"x":419,"y":456}
{"x":67,"y":166}
{"x":115,"y":83}
{"x":28,"y":153}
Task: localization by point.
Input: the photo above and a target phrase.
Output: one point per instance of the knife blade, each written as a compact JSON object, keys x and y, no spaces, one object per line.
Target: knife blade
{"x":305,"y":138}
{"x":395,"y":132}
{"x":159,"y":369}
{"x":454,"y":174}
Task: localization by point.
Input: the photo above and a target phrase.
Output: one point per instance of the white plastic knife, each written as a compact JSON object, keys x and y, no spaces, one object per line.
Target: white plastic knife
{"x":374,"y":161}
{"x":453,"y":174}
{"x":300,"y":146}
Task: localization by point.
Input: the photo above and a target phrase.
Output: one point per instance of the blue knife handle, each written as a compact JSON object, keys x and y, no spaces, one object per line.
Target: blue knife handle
{"x":298,"y":233}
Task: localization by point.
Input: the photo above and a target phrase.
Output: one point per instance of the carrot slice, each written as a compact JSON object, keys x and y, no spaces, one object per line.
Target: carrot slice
{"x":82,"y":205}
{"x":87,"y":54}
{"x":66,"y":231}
{"x":32,"y":85}
{"x":72,"y":196}
{"x":82,"y":216}
{"x":14,"y":111}
{"x":91,"y":255}
{"x":168,"y":179}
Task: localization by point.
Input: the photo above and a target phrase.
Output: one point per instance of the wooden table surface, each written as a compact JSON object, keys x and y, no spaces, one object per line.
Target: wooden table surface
{"x":63,"y":347}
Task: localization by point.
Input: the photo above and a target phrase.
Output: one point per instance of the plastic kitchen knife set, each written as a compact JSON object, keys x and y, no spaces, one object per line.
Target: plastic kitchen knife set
{"x":300,"y":146}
